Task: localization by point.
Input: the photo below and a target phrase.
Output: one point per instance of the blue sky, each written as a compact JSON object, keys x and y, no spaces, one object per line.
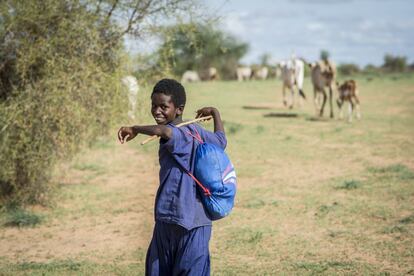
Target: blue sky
{"x":353,"y":31}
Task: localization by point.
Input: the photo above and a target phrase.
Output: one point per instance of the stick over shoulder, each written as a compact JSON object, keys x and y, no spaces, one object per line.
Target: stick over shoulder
{"x":179,"y":125}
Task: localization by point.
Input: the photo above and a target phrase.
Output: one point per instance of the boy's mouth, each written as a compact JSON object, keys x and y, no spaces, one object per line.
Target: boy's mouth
{"x":159,"y":119}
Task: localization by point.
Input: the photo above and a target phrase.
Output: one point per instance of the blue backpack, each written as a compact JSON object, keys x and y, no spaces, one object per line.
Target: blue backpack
{"x":215,"y":177}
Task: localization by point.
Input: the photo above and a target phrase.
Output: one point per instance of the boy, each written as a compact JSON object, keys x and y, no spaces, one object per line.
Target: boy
{"x":182,"y":230}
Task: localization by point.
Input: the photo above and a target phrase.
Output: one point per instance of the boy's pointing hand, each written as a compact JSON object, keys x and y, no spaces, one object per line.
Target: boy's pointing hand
{"x":126,"y":134}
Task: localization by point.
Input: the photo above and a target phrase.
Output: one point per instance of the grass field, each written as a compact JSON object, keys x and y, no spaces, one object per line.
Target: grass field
{"x":315,"y":196}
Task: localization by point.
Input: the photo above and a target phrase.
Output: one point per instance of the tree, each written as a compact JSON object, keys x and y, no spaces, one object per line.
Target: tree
{"x":347,"y":69}
{"x":324,"y":55}
{"x":60,"y":66}
{"x":198,"y":47}
{"x":264,"y":59}
{"x":395,"y":63}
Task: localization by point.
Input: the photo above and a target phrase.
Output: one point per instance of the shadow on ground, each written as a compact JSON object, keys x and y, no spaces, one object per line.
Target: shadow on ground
{"x":259,"y":107}
{"x":281,"y":115}
{"x":317,"y":119}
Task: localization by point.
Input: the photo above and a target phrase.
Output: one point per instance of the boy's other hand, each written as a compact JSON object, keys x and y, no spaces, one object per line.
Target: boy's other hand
{"x":206,"y":111}
{"x":125,"y":134}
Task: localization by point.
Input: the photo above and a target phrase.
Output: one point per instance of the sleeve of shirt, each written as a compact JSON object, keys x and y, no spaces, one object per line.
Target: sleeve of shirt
{"x":180,"y":146}
{"x":217,"y":138}
{"x":180,"y":143}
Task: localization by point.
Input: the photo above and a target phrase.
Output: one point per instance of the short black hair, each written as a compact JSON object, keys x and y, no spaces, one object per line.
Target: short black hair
{"x":171,"y":88}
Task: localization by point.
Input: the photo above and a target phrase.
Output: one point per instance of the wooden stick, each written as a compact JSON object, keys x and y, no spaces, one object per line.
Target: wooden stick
{"x":179,"y":125}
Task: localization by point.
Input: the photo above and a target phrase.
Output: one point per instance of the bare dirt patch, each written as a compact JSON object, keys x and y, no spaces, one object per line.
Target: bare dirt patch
{"x":101,"y":228}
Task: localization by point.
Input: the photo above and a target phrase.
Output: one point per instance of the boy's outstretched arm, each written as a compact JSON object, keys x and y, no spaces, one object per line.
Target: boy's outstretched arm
{"x":126,"y":134}
{"x":207,"y":111}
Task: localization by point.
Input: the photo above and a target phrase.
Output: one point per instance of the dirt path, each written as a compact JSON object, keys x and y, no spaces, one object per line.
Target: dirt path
{"x":94,"y":227}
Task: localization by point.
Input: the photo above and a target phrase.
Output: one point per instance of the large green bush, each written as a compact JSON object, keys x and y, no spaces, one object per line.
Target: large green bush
{"x":59,"y":67}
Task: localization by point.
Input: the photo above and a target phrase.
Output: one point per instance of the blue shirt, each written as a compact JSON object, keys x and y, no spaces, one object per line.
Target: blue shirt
{"x":177,"y":200}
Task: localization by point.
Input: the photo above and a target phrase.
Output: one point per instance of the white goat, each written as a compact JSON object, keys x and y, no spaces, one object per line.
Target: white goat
{"x":243,"y":73}
{"x":131,"y":84}
{"x":292,"y":74}
{"x":190,"y":76}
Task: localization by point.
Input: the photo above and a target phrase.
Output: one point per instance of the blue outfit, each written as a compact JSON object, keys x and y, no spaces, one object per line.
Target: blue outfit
{"x":179,"y":245}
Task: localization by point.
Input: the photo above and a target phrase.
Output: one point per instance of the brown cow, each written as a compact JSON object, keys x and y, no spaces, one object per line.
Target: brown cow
{"x":323,"y":74}
{"x":348,"y":92}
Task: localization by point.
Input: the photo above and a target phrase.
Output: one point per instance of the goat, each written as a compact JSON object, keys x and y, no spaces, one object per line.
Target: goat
{"x":348,"y":92}
{"x":323,"y":75}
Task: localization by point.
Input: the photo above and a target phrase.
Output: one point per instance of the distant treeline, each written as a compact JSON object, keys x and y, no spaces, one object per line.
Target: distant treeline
{"x":391,"y":64}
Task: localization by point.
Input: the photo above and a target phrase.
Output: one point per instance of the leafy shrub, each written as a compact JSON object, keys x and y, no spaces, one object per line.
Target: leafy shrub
{"x":22,"y":218}
{"x":348,"y":69}
{"x":60,"y":88}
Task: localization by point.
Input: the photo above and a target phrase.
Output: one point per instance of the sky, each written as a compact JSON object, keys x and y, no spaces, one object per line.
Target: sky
{"x":352,"y":31}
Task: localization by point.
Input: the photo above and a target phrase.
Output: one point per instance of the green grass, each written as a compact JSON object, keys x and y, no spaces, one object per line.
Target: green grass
{"x":408,"y":220}
{"x":88,"y":167}
{"x":350,"y":185}
{"x":71,"y":267}
{"x":397,"y":170}
{"x":21,"y":218}
{"x":232,"y":128}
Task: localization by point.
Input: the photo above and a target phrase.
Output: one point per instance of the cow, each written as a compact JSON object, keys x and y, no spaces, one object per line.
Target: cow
{"x":292,"y":74}
{"x":131,"y":84}
{"x":208,"y":74}
{"x":212,"y":73}
{"x":348,"y":92}
{"x":323,"y":74}
{"x":190,"y":76}
{"x":244,"y":73}
{"x":261,"y":73}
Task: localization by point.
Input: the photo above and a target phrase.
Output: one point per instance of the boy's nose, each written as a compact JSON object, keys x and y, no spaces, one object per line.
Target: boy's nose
{"x":156,"y":110}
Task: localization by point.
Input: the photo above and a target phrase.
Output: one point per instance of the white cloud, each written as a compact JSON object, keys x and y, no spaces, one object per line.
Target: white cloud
{"x":350,"y":30}
{"x":315,"y":26}
{"x":234,"y":23}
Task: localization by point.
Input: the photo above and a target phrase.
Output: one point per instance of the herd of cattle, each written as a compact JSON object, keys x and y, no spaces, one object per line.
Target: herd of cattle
{"x":323,"y":75}
{"x":291,"y":72}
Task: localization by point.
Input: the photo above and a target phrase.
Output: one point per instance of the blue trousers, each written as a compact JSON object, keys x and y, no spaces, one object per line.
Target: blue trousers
{"x":176,"y":251}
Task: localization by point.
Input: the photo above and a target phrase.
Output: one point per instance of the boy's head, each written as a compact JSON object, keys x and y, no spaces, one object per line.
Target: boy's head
{"x":168,"y":100}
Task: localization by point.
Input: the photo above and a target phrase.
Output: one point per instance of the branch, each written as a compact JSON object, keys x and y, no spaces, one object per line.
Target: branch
{"x":98,"y":7}
{"x":112,"y":9}
{"x":146,"y":11}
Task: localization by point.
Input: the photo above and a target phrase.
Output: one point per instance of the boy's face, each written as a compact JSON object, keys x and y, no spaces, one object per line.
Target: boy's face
{"x":163,"y":109}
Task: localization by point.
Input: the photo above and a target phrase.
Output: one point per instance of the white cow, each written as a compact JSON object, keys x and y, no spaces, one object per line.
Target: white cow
{"x":262,"y":73}
{"x":190,"y":76}
{"x":131,"y":84}
{"x":292,"y":74}
{"x":208,"y":74}
{"x":243,"y":73}
{"x":212,"y":73}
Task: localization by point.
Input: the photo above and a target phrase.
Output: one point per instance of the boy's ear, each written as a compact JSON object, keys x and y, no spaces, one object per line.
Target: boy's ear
{"x":180,"y":110}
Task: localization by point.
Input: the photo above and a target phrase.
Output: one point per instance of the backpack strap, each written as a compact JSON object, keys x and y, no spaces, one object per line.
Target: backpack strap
{"x":205,"y":190}
{"x":197,"y":136}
